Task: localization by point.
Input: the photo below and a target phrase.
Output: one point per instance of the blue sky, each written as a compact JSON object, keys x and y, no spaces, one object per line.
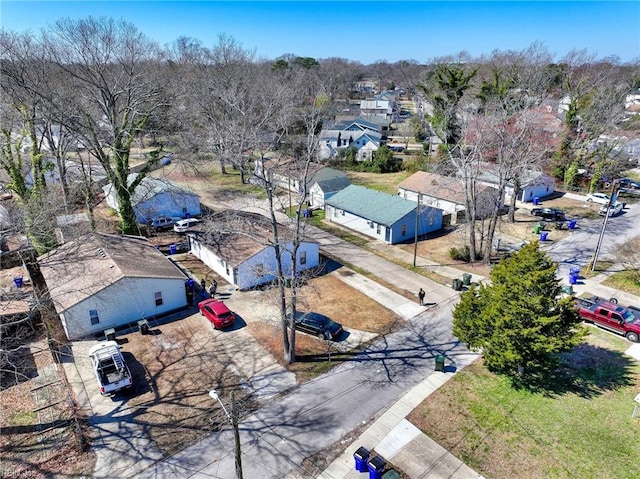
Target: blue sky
{"x":364,"y":31}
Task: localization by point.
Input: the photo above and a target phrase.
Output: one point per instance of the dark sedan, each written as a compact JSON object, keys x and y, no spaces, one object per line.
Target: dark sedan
{"x":551,"y":214}
{"x":318,"y":325}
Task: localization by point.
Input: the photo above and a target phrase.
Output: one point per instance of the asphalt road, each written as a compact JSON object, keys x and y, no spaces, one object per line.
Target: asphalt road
{"x":578,"y":248}
{"x":277,"y":438}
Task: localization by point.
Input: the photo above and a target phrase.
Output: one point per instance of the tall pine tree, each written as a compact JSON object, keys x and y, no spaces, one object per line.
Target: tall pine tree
{"x":519,"y":320}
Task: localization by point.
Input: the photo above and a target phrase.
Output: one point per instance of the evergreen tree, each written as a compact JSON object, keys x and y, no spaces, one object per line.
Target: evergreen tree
{"x":519,"y":320}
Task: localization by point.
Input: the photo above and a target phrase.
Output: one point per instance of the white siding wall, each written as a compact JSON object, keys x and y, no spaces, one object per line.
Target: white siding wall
{"x":128,"y":300}
{"x":356,"y":223}
{"x":445,"y":205}
{"x":260,"y":268}
{"x":316,"y":196}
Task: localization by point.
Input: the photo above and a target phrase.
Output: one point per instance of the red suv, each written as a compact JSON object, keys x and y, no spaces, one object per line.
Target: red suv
{"x":216,"y":312}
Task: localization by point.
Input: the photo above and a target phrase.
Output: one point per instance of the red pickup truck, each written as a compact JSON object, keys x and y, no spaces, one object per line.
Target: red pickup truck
{"x":610,"y":316}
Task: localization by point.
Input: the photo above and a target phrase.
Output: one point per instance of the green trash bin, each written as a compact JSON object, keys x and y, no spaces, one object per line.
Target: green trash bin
{"x":536,"y":228}
{"x":440,"y":362}
{"x":457,"y":285}
{"x":466,"y":279}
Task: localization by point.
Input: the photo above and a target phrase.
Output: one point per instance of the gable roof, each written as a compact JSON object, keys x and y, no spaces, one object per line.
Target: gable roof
{"x":150,"y":187}
{"x":354,"y":135}
{"x":239,"y":235}
{"x":447,"y":188}
{"x":329,"y":179}
{"x":345,"y":124}
{"x":93,"y":262}
{"x":377,"y":206}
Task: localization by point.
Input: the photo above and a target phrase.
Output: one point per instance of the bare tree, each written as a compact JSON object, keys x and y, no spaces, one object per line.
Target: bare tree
{"x":112,"y":69}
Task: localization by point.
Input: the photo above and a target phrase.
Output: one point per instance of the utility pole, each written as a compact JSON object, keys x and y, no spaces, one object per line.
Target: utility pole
{"x":415,"y":242}
{"x":233,"y":417}
{"x":612,"y":200}
{"x":236,"y":435}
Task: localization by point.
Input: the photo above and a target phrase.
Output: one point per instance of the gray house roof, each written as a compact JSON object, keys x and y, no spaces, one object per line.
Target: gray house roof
{"x":329,"y":179}
{"x":383,"y":208}
{"x":88,"y":264}
{"x":150,"y":187}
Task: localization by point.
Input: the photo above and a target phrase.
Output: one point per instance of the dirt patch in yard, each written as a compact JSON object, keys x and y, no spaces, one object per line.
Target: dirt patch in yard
{"x":174,"y":369}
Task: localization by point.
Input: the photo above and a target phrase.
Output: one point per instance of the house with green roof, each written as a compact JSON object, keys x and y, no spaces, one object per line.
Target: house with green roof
{"x":380,"y":215}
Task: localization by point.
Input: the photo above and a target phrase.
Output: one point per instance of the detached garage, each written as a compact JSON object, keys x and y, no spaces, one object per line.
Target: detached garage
{"x":100,"y":281}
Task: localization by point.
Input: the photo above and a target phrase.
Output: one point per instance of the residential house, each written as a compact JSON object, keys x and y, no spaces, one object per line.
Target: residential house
{"x":380,"y":215}
{"x":377,"y":107}
{"x":157,"y":197}
{"x":447,"y":194}
{"x":533,"y":184}
{"x":366,"y":142}
{"x":241,"y":250}
{"x":101,"y":281}
{"x":324,"y":184}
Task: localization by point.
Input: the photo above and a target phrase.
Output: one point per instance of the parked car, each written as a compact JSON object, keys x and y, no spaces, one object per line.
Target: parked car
{"x":614,"y":210}
{"x":599,"y":198}
{"x":610,"y":316}
{"x":629,"y":183}
{"x":162,"y":223}
{"x":318,"y":325}
{"x":217,"y":312}
{"x":182,"y":226}
{"x":551,"y":214}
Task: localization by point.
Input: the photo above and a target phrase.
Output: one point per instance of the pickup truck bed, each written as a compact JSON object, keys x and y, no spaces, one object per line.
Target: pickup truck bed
{"x":109,"y":367}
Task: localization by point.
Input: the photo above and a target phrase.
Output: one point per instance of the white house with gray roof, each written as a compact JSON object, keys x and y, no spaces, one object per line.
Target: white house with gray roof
{"x":240,"y":250}
{"x":382,"y":216}
{"x":101,"y":281}
{"x":155,"y":198}
{"x":324,"y":184}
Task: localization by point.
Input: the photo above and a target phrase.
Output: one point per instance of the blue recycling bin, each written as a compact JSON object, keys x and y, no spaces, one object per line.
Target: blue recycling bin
{"x":376,"y":467}
{"x":573,"y":279}
{"x":361,"y":457}
{"x":173,"y":249}
{"x":18,"y":281}
{"x":574,"y":271}
{"x":543,"y":236}
{"x":572,"y":224}
{"x":536,"y":200}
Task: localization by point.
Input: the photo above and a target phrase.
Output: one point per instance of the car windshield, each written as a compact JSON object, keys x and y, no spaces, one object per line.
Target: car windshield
{"x":628,"y":317}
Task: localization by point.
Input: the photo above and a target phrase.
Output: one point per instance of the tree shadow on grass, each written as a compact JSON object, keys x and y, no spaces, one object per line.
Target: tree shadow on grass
{"x":586,"y":371}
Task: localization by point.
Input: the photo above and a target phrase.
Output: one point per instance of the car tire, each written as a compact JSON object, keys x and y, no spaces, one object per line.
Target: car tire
{"x":633,"y":337}
{"x":589,"y":200}
{"x":613,"y":300}
{"x":321,"y":336}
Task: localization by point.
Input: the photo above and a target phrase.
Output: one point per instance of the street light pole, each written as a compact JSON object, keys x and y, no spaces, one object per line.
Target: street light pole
{"x":233,"y":418}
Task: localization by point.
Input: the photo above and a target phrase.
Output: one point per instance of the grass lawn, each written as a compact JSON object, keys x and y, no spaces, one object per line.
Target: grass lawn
{"x":387,"y":182}
{"x":579,"y":426}
{"x":628,"y":281}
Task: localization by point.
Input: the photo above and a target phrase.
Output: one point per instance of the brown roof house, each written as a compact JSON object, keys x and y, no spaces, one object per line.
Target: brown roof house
{"x":445,"y":193}
{"x":239,"y":249}
{"x":101,"y":281}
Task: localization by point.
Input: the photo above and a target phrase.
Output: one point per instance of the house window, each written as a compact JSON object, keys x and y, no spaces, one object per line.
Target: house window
{"x":404,"y":230}
{"x":377,"y":229}
{"x":303,"y":257}
{"x":259,"y":270}
{"x":93,"y":315}
{"x":430,"y":220}
{"x":342,"y":212}
{"x":158,"y":296}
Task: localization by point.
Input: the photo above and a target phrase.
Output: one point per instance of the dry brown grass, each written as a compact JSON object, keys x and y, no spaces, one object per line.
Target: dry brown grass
{"x":329,"y":296}
{"x":173,"y":372}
